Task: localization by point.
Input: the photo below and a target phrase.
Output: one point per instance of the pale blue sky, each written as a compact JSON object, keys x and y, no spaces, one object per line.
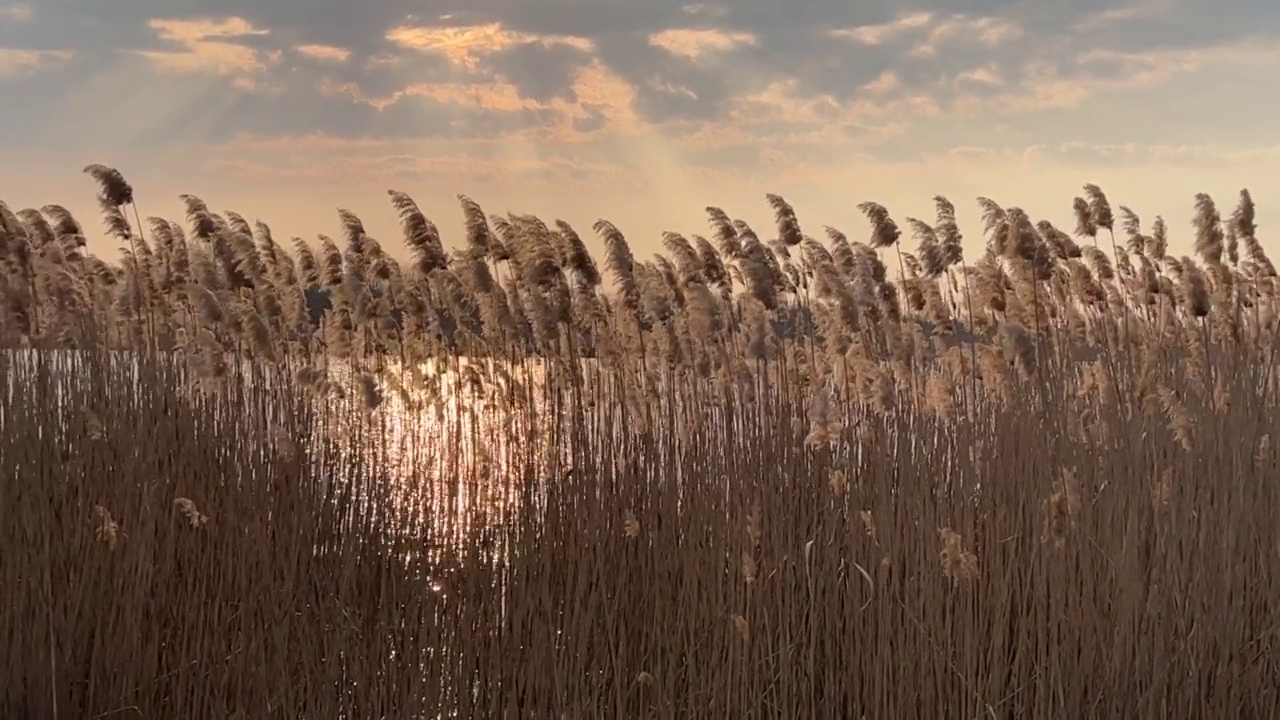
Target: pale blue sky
{"x":641,"y":112}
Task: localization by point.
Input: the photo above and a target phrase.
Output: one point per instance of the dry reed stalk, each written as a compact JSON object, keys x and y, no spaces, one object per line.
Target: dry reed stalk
{"x":418,"y":492}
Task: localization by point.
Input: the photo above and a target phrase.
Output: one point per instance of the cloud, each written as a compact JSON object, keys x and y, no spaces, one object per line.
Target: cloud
{"x":468,"y":45}
{"x":676,"y":62}
{"x":988,"y":74}
{"x":16,"y":13}
{"x":23,"y":62}
{"x":987,"y":31}
{"x":1055,"y":86}
{"x":1134,"y":154}
{"x":693,"y":44}
{"x":595,"y":98}
{"x":886,"y":82}
{"x":321,"y":159}
{"x":928,"y":32}
{"x":1122,"y":14}
{"x":211,"y":47}
{"x":569,"y":72}
{"x":674,"y":95}
{"x":879,"y":33}
{"x":324,"y":53}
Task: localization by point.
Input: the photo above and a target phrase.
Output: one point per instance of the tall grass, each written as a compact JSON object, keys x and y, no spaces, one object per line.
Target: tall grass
{"x":754,"y":477}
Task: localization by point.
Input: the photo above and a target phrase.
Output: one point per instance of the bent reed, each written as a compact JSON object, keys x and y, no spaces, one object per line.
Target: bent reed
{"x":748,"y":477}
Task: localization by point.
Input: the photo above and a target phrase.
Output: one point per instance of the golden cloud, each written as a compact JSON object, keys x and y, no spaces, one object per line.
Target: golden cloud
{"x":188,"y":32}
{"x":325,"y":53}
{"x":468,"y":45}
{"x":601,"y":88}
{"x":987,"y":31}
{"x":698,"y":43}
{"x":205,"y":52}
{"x":886,"y":82}
{"x":598,"y":91}
{"x":877,"y":34}
{"x":500,"y":96}
{"x":1125,"y":13}
{"x":986,"y":75}
{"x":15,"y":62}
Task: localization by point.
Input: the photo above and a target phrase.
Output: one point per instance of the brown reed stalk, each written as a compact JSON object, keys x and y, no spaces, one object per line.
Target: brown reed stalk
{"x":518,"y":530}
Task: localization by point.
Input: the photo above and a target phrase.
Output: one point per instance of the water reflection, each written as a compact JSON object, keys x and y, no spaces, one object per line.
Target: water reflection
{"x":450,"y":447}
{"x":460,"y":440}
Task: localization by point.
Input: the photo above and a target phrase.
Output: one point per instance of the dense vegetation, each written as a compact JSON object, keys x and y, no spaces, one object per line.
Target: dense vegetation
{"x":747,"y":477}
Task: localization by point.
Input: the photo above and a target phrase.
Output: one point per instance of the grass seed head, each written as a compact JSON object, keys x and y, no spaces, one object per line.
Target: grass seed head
{"x":108,"y":530}
{"x":868,"y":523}
{"x":93,"y":428}
{"x":958,"y":564}
{"x":838,"y":483}
{"x":1162,"y":490}
{"x":1060,"y":507}
{"x":749,"y":568}
{"x":753,"y":527}
{"x":630,"y":524}
{"x":187,"y":508}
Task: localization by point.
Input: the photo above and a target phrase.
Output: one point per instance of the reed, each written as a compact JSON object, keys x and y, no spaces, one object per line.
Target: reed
{"x":750,"y":476}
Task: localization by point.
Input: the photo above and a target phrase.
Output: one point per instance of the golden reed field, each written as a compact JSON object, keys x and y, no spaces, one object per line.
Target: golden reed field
{"x":764,"y":474}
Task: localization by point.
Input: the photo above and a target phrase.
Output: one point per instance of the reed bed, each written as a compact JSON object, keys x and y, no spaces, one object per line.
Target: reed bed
{"x":749,"y":477}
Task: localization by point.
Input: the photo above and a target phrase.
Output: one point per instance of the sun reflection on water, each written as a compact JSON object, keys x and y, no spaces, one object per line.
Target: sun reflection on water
{"x":460,"y":441}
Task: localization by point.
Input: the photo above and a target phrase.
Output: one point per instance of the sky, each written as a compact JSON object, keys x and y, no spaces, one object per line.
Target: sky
{"x":641,"y":112}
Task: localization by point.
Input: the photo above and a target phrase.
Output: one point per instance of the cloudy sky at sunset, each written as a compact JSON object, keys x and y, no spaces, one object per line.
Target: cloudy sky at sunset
{"x":643,"y":112}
